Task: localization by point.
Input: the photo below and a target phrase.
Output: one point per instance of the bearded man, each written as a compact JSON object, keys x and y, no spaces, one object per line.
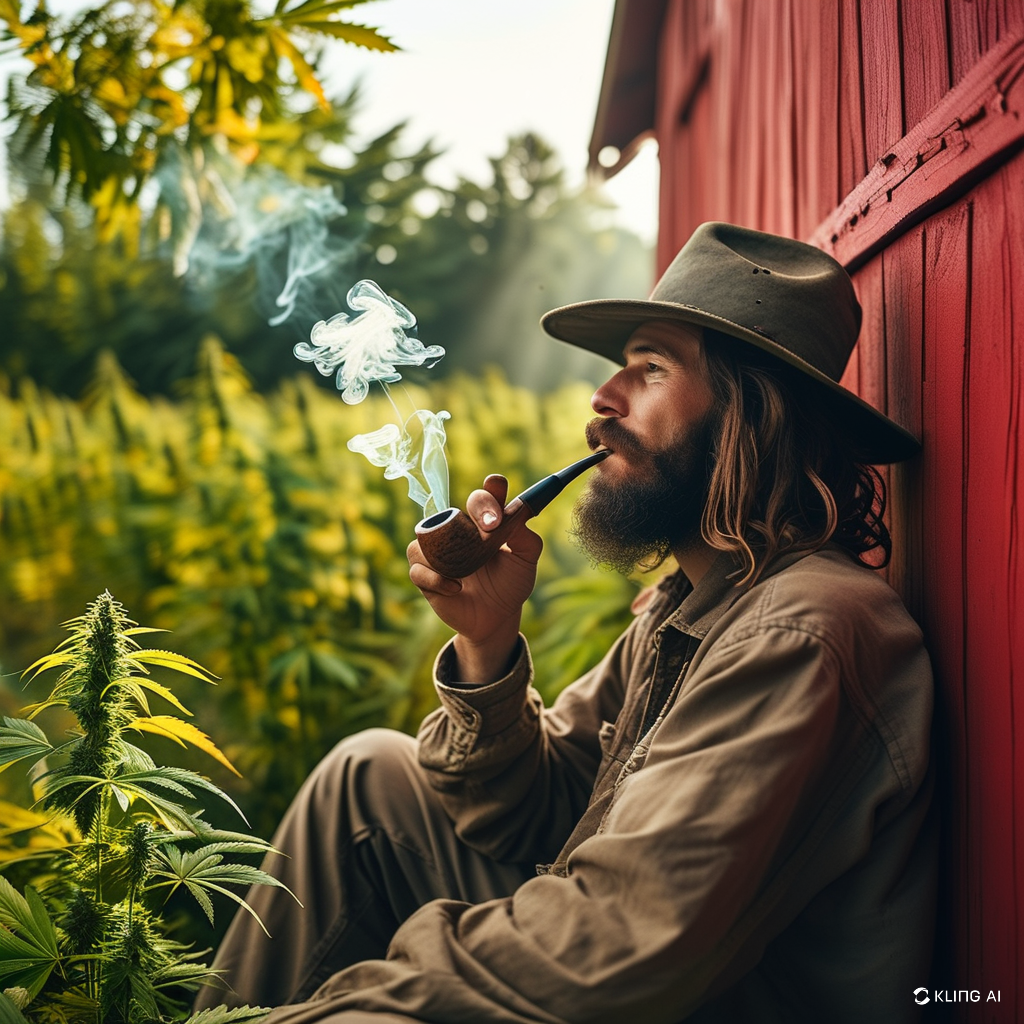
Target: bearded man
{"x":726,"y":820}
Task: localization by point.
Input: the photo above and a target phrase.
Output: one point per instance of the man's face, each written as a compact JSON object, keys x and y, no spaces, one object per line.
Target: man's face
{"x":657,"y":414}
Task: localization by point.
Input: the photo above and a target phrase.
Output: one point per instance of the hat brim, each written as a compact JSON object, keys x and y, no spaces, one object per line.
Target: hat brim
{"x":603,"y":326}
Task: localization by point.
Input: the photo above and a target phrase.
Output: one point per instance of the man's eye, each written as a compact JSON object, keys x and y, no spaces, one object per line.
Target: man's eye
{"x":653,"y":367}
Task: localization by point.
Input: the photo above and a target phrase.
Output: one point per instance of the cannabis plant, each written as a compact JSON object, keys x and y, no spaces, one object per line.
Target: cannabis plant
{"x":87,"y":941}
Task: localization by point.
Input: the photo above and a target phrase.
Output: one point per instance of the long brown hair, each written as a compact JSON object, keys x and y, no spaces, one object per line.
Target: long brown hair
{"x":784,"y":478}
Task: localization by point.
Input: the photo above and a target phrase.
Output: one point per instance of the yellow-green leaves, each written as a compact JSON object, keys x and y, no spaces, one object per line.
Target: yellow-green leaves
{"x":19,"y":739}
{"x":120,"y":827}
{"x":204,"y":870}
{"x":111,"y":89}
{"x":28,"y":940}
{"x":322,"y":16}
{"x":183,"y":733}
{"x":241,"y":521}
{"x":178,"y":662}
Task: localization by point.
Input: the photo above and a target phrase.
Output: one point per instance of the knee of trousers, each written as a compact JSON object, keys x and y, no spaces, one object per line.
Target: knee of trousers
{"x":373,"y":779}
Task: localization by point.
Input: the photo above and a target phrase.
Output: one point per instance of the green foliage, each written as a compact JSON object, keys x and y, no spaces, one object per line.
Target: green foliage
{"x":478,"y":264}
{"x":132,"y":132}
{"x":87,"y":942}
{"x":115,"y":88}
{"x":242,"y":522}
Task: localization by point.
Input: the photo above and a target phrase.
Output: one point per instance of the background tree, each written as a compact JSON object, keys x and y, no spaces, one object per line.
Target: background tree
{"x":478,"y":264}
{"x":156,"y":434}
{"x":119,"y":90}
{"x":137,"y":124}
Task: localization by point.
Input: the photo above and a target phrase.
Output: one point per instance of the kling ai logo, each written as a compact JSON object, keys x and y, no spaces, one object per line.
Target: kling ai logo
{"x":959,"y":995}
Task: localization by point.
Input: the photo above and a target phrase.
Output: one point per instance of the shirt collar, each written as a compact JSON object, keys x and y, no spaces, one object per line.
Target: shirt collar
{"x":697,"y":609}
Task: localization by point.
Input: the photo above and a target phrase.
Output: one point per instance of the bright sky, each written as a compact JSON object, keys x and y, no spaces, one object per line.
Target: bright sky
{"x":473,"y":72}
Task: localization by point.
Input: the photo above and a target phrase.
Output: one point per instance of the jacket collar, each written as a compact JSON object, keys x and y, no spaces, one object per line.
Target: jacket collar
{"x":697,"y":609}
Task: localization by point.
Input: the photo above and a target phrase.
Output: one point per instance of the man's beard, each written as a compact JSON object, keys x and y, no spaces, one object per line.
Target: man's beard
{"x":642,"y":519}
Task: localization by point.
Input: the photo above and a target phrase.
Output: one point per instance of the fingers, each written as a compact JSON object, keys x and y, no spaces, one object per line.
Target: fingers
{"x":485,"y":506}
{"x":496,"y":484}
{"x":428,"y":580}
{"x":524,"y":543}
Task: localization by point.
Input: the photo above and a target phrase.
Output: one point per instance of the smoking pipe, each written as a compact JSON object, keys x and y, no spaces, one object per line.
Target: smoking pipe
{"x":451,"y":542}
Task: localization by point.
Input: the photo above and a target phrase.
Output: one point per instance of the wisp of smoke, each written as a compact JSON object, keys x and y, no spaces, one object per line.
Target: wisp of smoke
{"x":416,"y":452}
{"x":259,"y":216}
{"x":369,"y":347}
{"x":366,"y":347}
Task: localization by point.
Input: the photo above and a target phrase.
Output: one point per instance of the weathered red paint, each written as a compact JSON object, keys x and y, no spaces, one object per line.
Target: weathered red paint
{"x":777,"y":114}
{"x":973,"y":128}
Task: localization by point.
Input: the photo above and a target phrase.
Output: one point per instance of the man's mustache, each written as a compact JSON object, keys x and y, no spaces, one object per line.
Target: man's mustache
{"x":609,"y":433}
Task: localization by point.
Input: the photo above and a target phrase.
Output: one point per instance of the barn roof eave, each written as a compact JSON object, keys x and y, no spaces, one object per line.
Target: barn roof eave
{"x":625,"y":108}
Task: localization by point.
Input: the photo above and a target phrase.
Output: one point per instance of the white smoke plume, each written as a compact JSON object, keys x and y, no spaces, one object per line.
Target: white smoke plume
{"x":367,"y":348}
{"x":415,"y":452}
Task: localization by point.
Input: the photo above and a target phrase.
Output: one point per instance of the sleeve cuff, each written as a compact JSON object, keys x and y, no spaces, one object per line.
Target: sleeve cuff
{"x":493,"y":707}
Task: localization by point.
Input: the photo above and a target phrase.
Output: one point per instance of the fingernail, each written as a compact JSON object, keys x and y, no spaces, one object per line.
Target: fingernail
{"x":489,"y":518}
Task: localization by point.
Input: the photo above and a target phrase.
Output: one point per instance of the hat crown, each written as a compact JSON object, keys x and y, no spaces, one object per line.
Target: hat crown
{"x":788,"y":292}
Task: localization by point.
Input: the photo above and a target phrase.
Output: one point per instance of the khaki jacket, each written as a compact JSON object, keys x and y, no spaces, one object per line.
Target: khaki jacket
{"x":730,"y":814}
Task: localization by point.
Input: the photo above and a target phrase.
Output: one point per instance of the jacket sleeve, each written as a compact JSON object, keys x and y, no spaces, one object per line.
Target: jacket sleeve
{"x":692,"y":860}
{"x":513,"y":776}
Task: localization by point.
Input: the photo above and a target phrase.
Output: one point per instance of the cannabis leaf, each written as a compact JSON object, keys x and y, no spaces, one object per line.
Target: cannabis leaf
{"x":224,"y":1015}
{"x":19,"y":739}
{"x":85,"y":945}
{"x":205,"y":870}
{"x":28,"y":940}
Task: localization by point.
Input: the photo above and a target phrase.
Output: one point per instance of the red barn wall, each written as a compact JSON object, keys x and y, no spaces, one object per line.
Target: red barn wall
{"x":788,"y":116}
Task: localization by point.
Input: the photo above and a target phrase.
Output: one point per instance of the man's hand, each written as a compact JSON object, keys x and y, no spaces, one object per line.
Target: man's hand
{"x":485,"y":608}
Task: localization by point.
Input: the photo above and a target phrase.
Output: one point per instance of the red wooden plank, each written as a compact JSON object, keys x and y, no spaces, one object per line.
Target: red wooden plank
{"x":776,"y":120}
{"x":925,"y":68}
{"x":726,"y":69}
{"x":770,"y":116}
{"x":1014,"y":18}
{"x":815,"y":69}
{"x":996,"y":20}
{"x":881,"y":61}
{"x":805,"y":68}
{"x":992,"y":535}
{"x":965,"y":46}
{"x":828,"y":194}
{"x":852,"y":161}
{"x":976,"y":125}
{"x":733,"y":102}
{"x":1014,"y":572}
{"x":851,"y":375}
{"x":672,"y":189}
{"x":903,"y":291}
{"x":703,"y":173}
{"x":946,"y":308}
{"x":748,"y":126}
{"x":870,"y":291}
{"x":903,"y":268}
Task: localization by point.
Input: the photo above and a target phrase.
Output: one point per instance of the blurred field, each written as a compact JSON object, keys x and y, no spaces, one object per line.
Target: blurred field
{"x":240,"y":521}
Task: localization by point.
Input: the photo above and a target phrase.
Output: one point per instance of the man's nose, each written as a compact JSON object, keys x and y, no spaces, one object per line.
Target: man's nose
{"x":609,"y":399}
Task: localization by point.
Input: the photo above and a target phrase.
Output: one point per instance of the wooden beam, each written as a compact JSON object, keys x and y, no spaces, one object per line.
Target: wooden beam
{"x":973,"y":129}
{"x":626,"y":105}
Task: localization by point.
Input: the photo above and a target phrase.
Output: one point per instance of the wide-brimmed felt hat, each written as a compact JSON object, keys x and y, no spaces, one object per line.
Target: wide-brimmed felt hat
{"x":784,"y":297}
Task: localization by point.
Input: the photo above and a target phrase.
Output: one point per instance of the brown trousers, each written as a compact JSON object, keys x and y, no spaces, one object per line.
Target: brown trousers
{"x":365,"y":844}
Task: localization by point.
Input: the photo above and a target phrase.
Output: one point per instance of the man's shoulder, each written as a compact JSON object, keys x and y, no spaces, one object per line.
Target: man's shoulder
{"x":829,"y":594}
{"x":873,"y":647}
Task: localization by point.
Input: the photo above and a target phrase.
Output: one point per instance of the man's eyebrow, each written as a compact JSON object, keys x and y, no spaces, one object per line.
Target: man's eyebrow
{"x":649,"y":348}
